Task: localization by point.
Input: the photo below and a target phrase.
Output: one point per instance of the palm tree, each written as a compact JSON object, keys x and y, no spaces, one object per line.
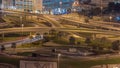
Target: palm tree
{"x":13,"y":46}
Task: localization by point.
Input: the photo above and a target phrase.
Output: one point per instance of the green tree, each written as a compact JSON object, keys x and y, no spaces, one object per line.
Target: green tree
{"x":13,"y":46}
{"x":86,"y":20}
{"x":72,"y":40}
{"x":60,"y":34}
{"x":103,"y":39}
{"x":88,"y":40}
{"x":95,"y":11}
{"x":116,"y":45}
{"x":52,"y":32}
{"x":101,"y":43}
{"x":46,"y":37}
{"x":2,"y":48}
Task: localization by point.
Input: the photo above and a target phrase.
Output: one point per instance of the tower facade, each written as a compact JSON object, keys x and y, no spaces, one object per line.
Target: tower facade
{"x":29,"y":5}
{"x":7,"y":4}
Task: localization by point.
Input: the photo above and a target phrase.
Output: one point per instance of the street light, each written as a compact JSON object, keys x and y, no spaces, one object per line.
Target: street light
{"x":101,"y":10}
{"x":110,"y":18}
{"x":60,"y":4}
{"x":43,"y":9}
{"x":58,"y":59}
{"x":22,"y":25}
{"x":101,"y":7}
{"x":21,"y":19}
{"x":22,"y":31}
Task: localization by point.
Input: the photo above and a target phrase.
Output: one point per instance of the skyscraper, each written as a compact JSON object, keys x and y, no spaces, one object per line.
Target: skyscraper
{"x":57,"y":6}
{"x":28,"y":5}
{"x":51,"y":4}
{"x":38,"y":5}
{"x":7,"y":4}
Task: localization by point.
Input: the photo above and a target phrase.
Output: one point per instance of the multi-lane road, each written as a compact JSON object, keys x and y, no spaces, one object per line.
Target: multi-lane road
{"x":23,"y":41}
{"x":46,"y":29}
{"x":57,"y":24}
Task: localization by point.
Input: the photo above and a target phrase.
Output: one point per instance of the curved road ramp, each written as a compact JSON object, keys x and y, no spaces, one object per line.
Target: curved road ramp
{"x":2,"y":65}
{"x":107,"y":66}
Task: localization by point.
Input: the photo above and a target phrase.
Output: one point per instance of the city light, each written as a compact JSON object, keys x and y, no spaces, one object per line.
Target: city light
{"x":59,"y":33}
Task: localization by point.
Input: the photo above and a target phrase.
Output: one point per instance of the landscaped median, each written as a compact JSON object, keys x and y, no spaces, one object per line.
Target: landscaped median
{"x":68,"y":62}
{"x":4,"y":65}
{"x":72,"y":63}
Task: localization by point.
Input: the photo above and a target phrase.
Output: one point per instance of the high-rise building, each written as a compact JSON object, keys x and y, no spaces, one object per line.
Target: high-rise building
{"x":59,"y":6}
{"x":51,"y":4}
{"x":7,"y":4}
{"x":43,"y":5}
{"x":24,"y":5}
{"x":28,"y":5}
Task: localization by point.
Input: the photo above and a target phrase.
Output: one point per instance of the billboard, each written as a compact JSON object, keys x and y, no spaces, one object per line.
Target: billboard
{"x":37,"y":64}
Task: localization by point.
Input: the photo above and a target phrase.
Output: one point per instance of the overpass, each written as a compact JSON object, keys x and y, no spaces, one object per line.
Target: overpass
{"x":46,"y":29}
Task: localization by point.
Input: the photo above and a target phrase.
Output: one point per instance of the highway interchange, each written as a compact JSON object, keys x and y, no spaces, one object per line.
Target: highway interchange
{"x":60,"y":27}
{"x":27,"y":29}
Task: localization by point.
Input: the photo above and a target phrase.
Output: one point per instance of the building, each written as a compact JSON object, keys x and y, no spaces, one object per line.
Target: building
{"x":103,"y":3}
{"x":24,"y":5}
{"x":39,"y":6}
{"x":28,"y":5}
{"x":51,"y":4}
{"x":7,"y":4}
{"x":85,"y":1}
{"x":57,"y":6}
{"x":44,"y":6}
{"x":76,"y":5}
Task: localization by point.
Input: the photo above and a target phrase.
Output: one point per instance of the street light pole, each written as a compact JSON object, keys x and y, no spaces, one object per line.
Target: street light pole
{"x":22,"y":25}
{"x":59,"y":60}
{"x":22,"y":32}
{"x":110,"y":18}
{"x":60,"y":4}
{"x":101,"y":7}
{"x":43,"y":9}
